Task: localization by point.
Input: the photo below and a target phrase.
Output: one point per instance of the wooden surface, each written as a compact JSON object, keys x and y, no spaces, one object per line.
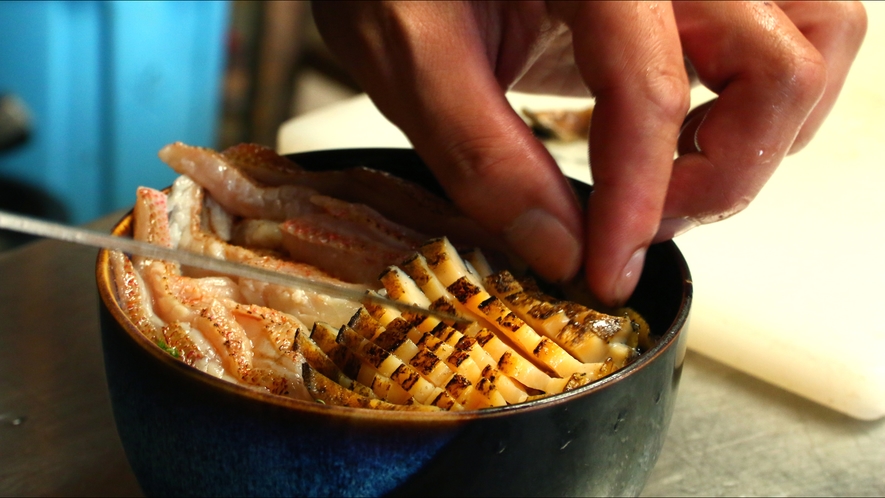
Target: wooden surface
{"x":731,"y":434}
{"x":57,"y":434}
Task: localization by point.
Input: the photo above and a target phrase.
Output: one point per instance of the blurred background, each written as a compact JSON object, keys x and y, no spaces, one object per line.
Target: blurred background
{"x":90,"y":91}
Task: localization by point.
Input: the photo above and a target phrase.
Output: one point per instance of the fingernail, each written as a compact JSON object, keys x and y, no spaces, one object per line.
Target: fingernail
{"x":688,"y":134}
{"x":545,"y":243}
{"x":629,"y":276}
{"x":674,"y":227}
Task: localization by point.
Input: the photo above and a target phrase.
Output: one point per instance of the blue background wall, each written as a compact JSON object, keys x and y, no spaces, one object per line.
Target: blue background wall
{"x":108,"y":84}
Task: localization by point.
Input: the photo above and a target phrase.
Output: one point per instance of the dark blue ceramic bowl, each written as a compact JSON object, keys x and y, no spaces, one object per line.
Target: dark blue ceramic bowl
{"x":187,"y":433}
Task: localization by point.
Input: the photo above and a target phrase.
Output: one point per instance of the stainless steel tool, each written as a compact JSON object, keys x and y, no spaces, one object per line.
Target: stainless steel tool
{"x":83,"y":236}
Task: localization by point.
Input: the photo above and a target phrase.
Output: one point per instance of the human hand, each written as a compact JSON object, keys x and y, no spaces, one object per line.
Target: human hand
{"x":439,"y":70}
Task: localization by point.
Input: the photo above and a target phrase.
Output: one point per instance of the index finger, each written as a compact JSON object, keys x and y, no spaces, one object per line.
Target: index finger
{"x":430,"y":67}
{"x":630,"y":56}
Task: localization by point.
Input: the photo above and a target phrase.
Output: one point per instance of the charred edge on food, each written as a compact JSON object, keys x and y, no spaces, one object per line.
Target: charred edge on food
{"x":458,"y":385}
{"x":392,"y":338}
{"x":424,"y":362}
{"x":433,"y":251}
{"x":463,"y":290}
{"x":484,"y":336}
{"x":413,"y":319}
{"x":405,"y":376}
{"x":486,"y":386}
{"x":465,"y":343}
{"x":444,"y":305}
{"x":364,"y":324}
{"x":444,"y":401}
{"x":443,"y":332}
{"x":503,"y":283}
{"x":375,"y":355}
{"x":415,"y":270}
{"x":545,"y":348}
{"x":349,"y":363}
{"x":458,"y":357}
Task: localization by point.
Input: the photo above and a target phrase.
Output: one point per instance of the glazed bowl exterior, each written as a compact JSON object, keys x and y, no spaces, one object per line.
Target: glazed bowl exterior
{"x":188,"y":433}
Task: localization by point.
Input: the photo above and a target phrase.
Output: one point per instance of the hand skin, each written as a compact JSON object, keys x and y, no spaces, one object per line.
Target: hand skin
{"x":439,"y":71}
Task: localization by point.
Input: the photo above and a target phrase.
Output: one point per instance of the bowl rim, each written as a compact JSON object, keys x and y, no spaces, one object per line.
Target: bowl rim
{"x":107,"y":293}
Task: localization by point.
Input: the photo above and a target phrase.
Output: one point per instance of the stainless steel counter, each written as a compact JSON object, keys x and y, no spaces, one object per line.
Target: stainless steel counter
{"x":730,"y":434}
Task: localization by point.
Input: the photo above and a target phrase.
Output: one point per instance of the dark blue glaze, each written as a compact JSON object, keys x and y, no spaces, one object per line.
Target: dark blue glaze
{"x":185,"y":438}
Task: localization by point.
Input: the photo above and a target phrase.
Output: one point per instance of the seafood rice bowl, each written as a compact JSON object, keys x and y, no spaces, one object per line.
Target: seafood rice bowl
{"x":227,"y":386}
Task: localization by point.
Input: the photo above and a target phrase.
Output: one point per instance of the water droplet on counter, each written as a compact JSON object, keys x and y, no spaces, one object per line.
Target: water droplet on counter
{"x":12,"y":420}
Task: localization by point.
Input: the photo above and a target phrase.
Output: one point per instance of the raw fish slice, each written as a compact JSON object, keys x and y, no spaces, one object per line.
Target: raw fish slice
{"x":133,"y":297}
{"x":277,"y":369}
{"x":197,"y":304}
{"x":340,"y":249}
{"x":351,"y":241}
{"x":238,"y":193}
{"x":150,"y":221}
{"x":220,"y":328}
{"x":287,"y":334}
{"x":257,"y":234}
{"x":192,"y":347}
{"x":216,"y":220}
{"x":151,"y":224}
{"x":306,"y":305}
{"x":396,"y":199}
{"x":177,"y":338}
{"x":374,"y":224}
{"x":263,"y":164}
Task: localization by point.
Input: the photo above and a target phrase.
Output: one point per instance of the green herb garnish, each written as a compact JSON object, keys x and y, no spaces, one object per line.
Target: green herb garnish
{"x":169,"y":349}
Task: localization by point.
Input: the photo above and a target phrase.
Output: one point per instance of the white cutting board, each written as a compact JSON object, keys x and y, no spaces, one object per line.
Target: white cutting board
{"x":791,"y":290}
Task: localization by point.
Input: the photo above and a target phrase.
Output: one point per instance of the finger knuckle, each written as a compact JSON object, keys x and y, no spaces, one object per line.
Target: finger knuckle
{"x":849,"y":18}
{"x":802,"y":74}
{"x":477,"y":158}
{"x":667,"y":90}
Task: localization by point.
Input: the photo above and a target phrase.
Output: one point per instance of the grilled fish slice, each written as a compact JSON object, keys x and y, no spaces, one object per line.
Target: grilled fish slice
{"x":541,"y":349}
{"x":326,"y":338}
{"x":331,"y":393}
{"x":436,"y":361}
{"x":389,"y":365}
{"x":459,"y":355}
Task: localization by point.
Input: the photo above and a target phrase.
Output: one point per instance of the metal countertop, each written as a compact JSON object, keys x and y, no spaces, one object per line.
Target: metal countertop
{"x":730,"y":435}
